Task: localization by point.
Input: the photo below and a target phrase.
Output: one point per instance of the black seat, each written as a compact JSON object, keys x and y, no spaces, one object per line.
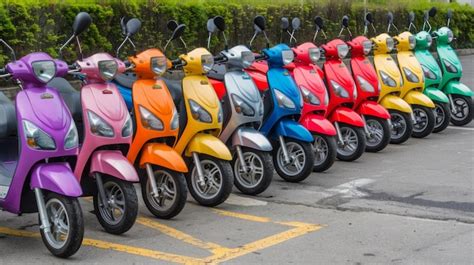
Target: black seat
{"x":71,"y":96}
{"x":126,"y":80}
{"x":7,"y":117}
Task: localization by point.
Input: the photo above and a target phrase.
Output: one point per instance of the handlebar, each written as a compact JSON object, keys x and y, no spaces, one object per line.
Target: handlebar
{"x":220,"y":59}
{"x":260,"y":57}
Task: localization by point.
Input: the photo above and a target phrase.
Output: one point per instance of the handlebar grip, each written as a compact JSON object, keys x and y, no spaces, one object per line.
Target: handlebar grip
{"x":260,"y":57}
{"x":127,"y":63}
{"x":219,"y":58}
{"x":176,"y":62}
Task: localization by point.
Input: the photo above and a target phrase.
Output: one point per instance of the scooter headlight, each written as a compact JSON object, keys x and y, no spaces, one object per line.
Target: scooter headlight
{"x":342,"y":50}
{"x":44,"y":70}
{"x":98,"y":126}
{"x":158,"y":65}
{"x":72,"y":137}
{"x":36,"y":138}
{"x":387,"y":80}
{"x":410,"y":75}
{"x":199,"y":113}
{"x":175,"y":119}
{"x":450,"y":36}
{"x":309,"y":97}
{"x":288,"y":56}
{"x":150,"y":121}
{"x":412,"y":42}
{"x":284,"y":101}
{"x":428,"y":73}
{"x":449,"y":66}
{"x":247,"y":58}
{"x":108,"y":69}
{"x":207,"y":61}
{"x":367,"y":46}
{"x":127,"y":128}
{"x":241,"y":106}
{"x":390,"y":44}
{"x":339,"y":90}
{"x":314,"y":55}
{"x":365,"y":85}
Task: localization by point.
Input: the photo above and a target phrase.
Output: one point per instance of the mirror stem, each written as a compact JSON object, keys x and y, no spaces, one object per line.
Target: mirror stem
{"x":184,"y":43}
{"x":133,"y":45}
{"x":80,"y":48}
{"x":10,"y":48}
{"x":64,"y":45}
{"x":226,"y":45}
{"x":120,"y":47}
{"x":253,"y":38}
{"x":209,"y":40}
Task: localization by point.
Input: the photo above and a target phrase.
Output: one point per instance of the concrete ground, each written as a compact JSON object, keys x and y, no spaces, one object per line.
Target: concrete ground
{"x":410,"y":203}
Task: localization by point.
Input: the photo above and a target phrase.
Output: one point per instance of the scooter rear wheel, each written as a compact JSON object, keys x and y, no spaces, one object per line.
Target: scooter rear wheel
{"x":301,"y":164}
{"x":354,"y":143}
{"x":380,"y":130}
{"x":425,"y":121}
{"x":443,"y":116}
{"x":462,"y":112}
{"x":402,"y":126}
{"x":260,"y":173}
{"x":325,"y":152}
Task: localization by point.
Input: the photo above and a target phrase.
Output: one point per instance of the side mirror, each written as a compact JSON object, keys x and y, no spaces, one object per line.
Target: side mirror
{"x":449,"y":15}
{"x":369,"y":18}
{"x":295,"y":23}
{"x":219,"y":22}
{"x":259,"y":23}
{"x":172,"y":25}
{"x":433,"y":12}
{"x":426,"y":16}
{"x":133,"y":26}
{"x":178,"y":32}
{"x":284,"y":23}
{"x":81,"y":23}
{"x":390,"y":18}
{"x":345,"y":21}
{"x":211,"y":26}
{"x":319,"y":22}
{"x":411,"y":17}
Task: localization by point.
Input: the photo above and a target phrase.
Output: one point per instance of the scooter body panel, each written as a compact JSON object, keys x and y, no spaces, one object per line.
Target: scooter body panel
{"x":456,"y":87}
{"x":371,"y":108}
{"x":406,"y":59}
{"x":317,"y":124}
{"x":55,"y":177}
{"x":395,"y":103}
{"x":347,"y":116}
{"x":432,"y":71}
{"x":414,"y":97}
{"x":113,"y":163}
{"x":162,"y":155}
{"x":251,"y":138}
{"x":436,"y":95}
{"x":208,"y":144}
{"x":336,"y":70}
{"x":384,"y":63}
{"x":446,"y":54}
{"x":291,"y":129}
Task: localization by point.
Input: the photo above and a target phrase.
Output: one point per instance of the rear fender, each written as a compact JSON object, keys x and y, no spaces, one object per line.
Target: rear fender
{"x":291,"y":129}
{"x":113,"y":163}
{"x":395,"y":103}
{"x":436,"y":95}
{"x":371,"y":108}
{"x":251,"y":138}
{"x":55,"y":177}
{"x":418,"y":98}
{"x":162,"y":155}
{"x":208,"y":144}
{"x":318,"y":124}
{"x":347,"y":116}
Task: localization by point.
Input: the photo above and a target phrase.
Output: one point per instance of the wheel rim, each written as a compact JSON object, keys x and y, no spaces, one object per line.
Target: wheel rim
{"x":297,"y":159}
{"x":255,"y":172}
{"x":212,"y":180}
{"x":321,"y":150}
{"x":376,"y":132}
{"x":421,"y":119}
{"x":460,"y":110}
{"x":167,"y":192}
{"x":115,"y":211}
{"x":350,"y":142}
{"x":59,"y":221}
{"x":399,"y":125}
{"x":440,"y":115}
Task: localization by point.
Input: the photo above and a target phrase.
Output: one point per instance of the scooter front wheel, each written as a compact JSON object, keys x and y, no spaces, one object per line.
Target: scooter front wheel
{"x":461,"y":114}
{"x":217,"y":181}
{"x":424,"y":121}
{"x":258,"y":175}
{"x":67,"y":225}
{"x":379,"y":137}
{"x":443,"y":116}
{"x":325,"y":151}
{"x":301,"y":159}
{"x":121,"y":212}
{"x":354,"y":142}
{"x":402,"y":126}
{"x":172,"y":193}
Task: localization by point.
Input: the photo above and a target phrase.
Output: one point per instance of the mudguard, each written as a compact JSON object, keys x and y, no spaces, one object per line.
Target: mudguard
{"x":395,"y":103}
{"x":162,"y":155}
{"x":113,"y":163}
{"x":371,"y":108}
{"x":436,"y":95}
{"x":208,"y":144}
{"x":251,"y":138}
{"x":56,"y":177}
{"x":291,"y":129}
{"x":456,"y":87}
{"x":418,"y":98}
{"x":347,"y":116}
{"x":318,"y":124}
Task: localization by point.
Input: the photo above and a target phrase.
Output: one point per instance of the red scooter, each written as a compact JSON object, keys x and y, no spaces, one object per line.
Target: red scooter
{"x":376,"y":117}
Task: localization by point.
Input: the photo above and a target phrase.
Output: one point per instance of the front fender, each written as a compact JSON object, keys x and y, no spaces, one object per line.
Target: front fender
{"x":436,"y":95}
{"x":458,"y":88}
{"x":162,"y":155}
{"x":208,"y":144}
{"x":395,"y":103}
{"x":318,"y":124}
{"x":292,"y":129}
{"x":418,"y":98}
{"x":371,"y":108}
{"x":56,"y":177}
{"x":251,"y":138}
{"x":347,"y":116}
{"x":113,"y":163}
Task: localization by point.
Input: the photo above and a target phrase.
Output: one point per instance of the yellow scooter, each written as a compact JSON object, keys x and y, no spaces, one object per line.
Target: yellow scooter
{"x":210,"y":177}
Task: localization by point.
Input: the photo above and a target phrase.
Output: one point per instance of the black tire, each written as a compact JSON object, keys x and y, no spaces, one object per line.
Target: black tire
{"x":76,"y":226}
{"x":130,"y":204}
{"x":264,"y":160}
{"x":381,"y":124}
{"x":408,"y":126}
{"x":430,"y":121}
{"x":227,"y":180}
{"x":181,"y":191}
{"x":443,"y":116}
{"x":461,"y":120}
{"x":360,"y":147}
{"x":330,"y":156}
{"x":307,"y":167}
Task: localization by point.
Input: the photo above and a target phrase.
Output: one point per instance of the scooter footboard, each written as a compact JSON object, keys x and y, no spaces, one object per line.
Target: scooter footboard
{"x":318,"y":124}
{"x":208,"y":144}
{"x":251,"y":138}
{"x":370,"y":108}
{"x":292,"y":129}
{"x":56,"y":177}
{"x":418,"y":98}
{"x":347,"y":116}
{"x":113,"y":163}
{"x":458,"y":88}
{"x":162,"y":155}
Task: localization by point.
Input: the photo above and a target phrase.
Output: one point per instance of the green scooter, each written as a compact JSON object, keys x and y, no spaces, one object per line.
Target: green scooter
{"x":431,"y":71}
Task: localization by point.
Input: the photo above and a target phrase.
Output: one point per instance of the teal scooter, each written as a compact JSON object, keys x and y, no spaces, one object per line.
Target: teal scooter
{"x":432,"y":71}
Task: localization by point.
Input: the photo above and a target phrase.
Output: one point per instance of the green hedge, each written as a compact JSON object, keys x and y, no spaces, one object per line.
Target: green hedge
{"x":32,"y":26}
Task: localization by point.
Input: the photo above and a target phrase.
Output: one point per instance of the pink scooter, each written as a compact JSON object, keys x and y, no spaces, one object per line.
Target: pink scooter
{"x":102,"y":166}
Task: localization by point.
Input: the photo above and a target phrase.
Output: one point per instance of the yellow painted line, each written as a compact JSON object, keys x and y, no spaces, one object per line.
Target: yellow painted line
{"x":247,"y":217}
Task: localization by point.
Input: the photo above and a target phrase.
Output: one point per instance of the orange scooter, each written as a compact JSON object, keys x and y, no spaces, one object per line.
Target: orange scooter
{"x":159,"y":166}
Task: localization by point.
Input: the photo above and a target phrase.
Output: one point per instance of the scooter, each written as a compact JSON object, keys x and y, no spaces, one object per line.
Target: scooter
{"x":460,"y":96}
{"x":413,"y":83}
{"x":160,"y":167}
{"x":309,"y":78}
{"x":39,"y":146}
{"x":376,"y":117}
{"x":293,"y":155}
{"x":102,"y":167}
{"x":210,"y":176}
{"x":242,"y":108}
{"x":431,"y":71}
{"x":391,"y":81}
{"x":350,"y":126}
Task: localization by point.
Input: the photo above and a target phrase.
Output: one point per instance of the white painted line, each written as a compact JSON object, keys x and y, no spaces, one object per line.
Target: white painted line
{"x":244,"y":201}
{"x":461,"y":128}
{"x":349,"y":189}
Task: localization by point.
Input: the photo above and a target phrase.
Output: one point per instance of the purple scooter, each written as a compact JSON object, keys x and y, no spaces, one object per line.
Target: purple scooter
{"x":39,"y":146}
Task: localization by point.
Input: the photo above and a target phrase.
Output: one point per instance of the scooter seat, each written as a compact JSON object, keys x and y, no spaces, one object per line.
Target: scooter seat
{"x":7,"y":117}
{"x":71,"y":96}
{"x":126,"y":79}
